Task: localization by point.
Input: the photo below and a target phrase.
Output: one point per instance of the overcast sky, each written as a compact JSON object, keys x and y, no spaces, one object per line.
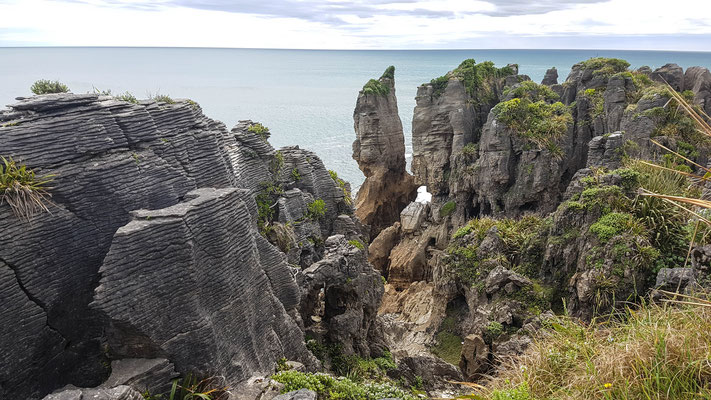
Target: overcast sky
{"x":367,"y":24}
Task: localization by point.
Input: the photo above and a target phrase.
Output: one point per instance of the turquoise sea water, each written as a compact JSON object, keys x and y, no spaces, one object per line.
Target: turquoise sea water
{"x":305,"y":97}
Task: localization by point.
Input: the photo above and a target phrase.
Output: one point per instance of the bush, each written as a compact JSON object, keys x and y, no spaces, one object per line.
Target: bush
{"x":330,"y":388}
{"x":25,"y":192}
{"x":389,"y":73}
{"x":376,"y":87}
{"x":341,"y":184}
{"x":316,"y":209}
{"x":259,"y":130}
{"x":615,"y":223}
{"x":43,"y":86}
{"x":537,"y":121}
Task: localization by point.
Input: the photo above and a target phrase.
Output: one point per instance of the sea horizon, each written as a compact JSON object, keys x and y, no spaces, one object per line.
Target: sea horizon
{"x":305,"y":96}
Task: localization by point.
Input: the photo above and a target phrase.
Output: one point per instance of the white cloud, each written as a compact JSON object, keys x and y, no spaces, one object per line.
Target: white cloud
{"x":345,"y":24}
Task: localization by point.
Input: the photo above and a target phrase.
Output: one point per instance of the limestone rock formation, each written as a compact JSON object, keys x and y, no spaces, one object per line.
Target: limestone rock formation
{"x":340,"y":298}
{"x":156,"y":247}
{"x":379,"y":149}
{"x":671,"y":74}
{"x":551,"y":77}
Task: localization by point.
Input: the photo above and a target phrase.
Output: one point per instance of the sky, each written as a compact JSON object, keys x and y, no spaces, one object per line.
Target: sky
{"x":366,"y":24}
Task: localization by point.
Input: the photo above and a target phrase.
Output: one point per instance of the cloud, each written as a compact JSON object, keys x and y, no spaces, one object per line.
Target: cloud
{"x":332,"y":12}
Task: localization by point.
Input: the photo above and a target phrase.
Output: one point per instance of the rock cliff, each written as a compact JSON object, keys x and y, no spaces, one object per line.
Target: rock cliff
{"x":379,"y":149}
{"x":168,"y":237}
{"x":535,"y":205}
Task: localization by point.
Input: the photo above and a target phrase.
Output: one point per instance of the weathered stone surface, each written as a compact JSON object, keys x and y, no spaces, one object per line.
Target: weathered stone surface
{"x":189,"y":278}
{"x":606,"y":151}
{"x":342,"y":293}
{"x":380,"y":248}
{"x":412,"y":216}
{"x":116,"y":393}
{"x":551,"y":77}
{"x":303,"y":394}
{"x":671,"y":74}
{"x":698,"y":80}
{"x":145,"y":375}
{"x":379,"y":149}
{"x":475,"y":356}
{"x":675,"y":279}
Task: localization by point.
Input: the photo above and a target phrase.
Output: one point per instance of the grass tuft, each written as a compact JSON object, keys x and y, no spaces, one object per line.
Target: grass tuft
{"x":26,"y":193}
{"x":44,"y":86}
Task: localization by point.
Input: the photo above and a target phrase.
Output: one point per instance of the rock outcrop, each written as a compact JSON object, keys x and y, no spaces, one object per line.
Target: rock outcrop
{"x":379,"y":149}
{"x":523,"y":220}
{"x":157,"y":245}
{"x":551,"y":77}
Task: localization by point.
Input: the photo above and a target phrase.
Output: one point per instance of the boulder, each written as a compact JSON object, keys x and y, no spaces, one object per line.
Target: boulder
{"x":475,"y":356}
{"x":116,"y":393}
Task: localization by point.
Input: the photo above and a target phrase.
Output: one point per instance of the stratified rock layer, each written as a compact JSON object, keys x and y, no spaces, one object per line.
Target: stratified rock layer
{"x":379,"y":149}
{"x":152,"y":249}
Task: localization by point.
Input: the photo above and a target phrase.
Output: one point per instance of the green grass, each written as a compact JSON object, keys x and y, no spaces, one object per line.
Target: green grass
{"x":606,"y":66}
{"x":190,"y":388}
{"x":653,"y":352}
{"x":357,"y":244}
{"x":44,"y":86}
{"x":163,"y":98}
{"x":127,"y":97}
{"x":389,"y":73}
{"x":474,"y":76}
{"x":342,"y":185}
{"x":23,"y":190}
{"x":447,"y":209}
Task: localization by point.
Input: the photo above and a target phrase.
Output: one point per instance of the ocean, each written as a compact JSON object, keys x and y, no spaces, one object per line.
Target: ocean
{"x":305,"y":97}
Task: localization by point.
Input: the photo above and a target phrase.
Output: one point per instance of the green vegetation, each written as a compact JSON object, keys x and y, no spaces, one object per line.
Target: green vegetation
{"x":316,"y":209}
{"x":470,"y":149}
{"x":342,"y":184}
{"x":295,"y":175}
{"x":389,"y":73}
{"x":449,"y":343}
{"x":533,"y":118}
{"x":596,"y":99}
{"x":128,"y":97}
{"x":533,"y":91}
{"x":616,"y":223}
{"x":43,"y":86}
{"x":474,"y":76}
{"x":357,"y":244}
{"x":26,"y":193}
{"x":447,"y":209}
{"x":192,"y":389}
{"x":330,"y":388}
{"x":375,"y":87}
{"x":606,"y":66}
{"x":259,"y":130}
{"x":654,"y":352}
{"x":163,"y":98}
{"x":266,"y":199}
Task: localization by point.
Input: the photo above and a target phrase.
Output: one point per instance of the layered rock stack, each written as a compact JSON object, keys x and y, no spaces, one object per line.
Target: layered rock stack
{"x":379,"y":149}
{"x":157,"y":247}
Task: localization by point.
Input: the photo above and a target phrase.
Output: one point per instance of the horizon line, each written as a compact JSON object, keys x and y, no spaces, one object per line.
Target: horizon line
{"x":318,"y":49}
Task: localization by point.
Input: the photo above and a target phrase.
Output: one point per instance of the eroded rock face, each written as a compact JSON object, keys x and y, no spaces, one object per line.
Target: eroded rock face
{"x":379,"y":149}
{"x":551,"y":77}
{"x":152,"y":248}
{"x":223,"y":286}
{"x":340,"y":298}
{"x":671,"y":74}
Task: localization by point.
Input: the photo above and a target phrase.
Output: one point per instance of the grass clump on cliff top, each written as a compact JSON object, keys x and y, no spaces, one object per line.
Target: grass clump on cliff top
{"x":26,"y":193}
{"x":654,"y":352}
{"x":389,"y":73}
{"x":537,"y":121}
{"x":44,"y":86}
{"x":342,"y":185}
{"x":473,"y":76}
{"x":376,"y":87}
{"x":127,"y":97}
{"x":163,"y":98}
{"x":605,"y":66}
